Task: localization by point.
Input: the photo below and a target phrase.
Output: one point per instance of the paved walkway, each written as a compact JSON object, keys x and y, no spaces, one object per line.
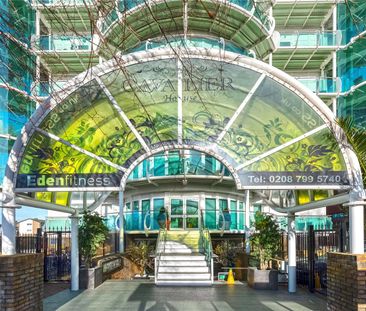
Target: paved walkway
{"x":141,"y":296}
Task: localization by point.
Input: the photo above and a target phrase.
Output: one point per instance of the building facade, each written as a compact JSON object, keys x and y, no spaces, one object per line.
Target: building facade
{"x":51,"y":42}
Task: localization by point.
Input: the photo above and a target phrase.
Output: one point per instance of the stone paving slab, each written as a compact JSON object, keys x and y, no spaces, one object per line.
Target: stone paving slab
{"x":141,"y":296}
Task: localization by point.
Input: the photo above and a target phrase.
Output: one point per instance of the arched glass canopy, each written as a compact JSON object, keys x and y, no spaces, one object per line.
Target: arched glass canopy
{"x":260,"y":123}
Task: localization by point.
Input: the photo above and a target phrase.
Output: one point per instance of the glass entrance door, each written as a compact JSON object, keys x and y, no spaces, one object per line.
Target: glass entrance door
{"x":184,"y":214}
{"x":176,"y":214}
{"x":192,"y":214}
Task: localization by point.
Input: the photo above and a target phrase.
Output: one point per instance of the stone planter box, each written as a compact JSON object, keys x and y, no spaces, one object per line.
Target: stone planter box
{"x":90,"y":278}
{"x":262,"y":279}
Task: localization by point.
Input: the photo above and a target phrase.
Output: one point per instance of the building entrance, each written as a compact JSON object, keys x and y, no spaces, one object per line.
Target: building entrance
{"x":184,"y":214}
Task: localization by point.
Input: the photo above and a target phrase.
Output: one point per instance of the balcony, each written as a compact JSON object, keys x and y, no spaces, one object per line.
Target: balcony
{"x":310,"y":39}
{"x":191,"y":42}
{"x":322,"y":86}
{"x":67,"y":53}
{"x":45,"y":88}
{"x":132,"y":22}
{"x":305,"y":50}
{"x":64,"y":3}
{"x":65,"y":43}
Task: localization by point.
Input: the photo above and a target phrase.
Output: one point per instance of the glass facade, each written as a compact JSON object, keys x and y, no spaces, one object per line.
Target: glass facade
{"x":17,"y":64}
{"x":184,"y":212}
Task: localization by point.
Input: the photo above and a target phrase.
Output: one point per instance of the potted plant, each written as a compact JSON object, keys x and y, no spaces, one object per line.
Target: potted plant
{"x":225,"y":255}
{"x":265,"y":245}
{"x":140,"y":254}
{"x":92,"y":234}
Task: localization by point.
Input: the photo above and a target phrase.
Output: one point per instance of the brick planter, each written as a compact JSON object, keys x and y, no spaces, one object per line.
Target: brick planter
{"x":346,"y":278}
{"x":21,"y":282}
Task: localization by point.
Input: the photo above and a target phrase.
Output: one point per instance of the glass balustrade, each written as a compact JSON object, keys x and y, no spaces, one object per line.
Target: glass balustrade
{"x":310,"y":39}
{"x":191,"y":42}
{"x":45,"y":88}
{"x":65,"y":2}
{"x":322,"y":85}
{"x":173,"y":163}
{"x":65,"y":43}
{"x":234,"y":220}
{"x":125,"y":5}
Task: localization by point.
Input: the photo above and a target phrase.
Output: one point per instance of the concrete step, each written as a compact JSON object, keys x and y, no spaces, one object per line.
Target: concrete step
{"x":184,"y":276}
{"x":183,"y":283}
{"x":183,"y":269}
{"x":191,"y":257}
{"x":179,"y":251}
{"x":183,"y":263}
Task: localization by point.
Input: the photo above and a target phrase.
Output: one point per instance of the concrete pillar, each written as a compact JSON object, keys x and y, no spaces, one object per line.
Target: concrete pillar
{"x":8,"y":230}
{"x":291,"y":253}
{"x":121,"y":223}
{"x":75,"y":252}
{"x":356,"y":227}
{"x":247,"y":221}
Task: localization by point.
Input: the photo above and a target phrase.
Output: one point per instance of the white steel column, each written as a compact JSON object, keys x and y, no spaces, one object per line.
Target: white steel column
{"x":75,"y":252}
{"x":291,"y":253}
{"x":247,"y":221}
{"x":121,"y":223}
{"x":8,"y":230}
{"x":356,"y":223}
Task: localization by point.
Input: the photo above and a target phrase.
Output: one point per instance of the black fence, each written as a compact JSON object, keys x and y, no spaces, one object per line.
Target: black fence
{"x":312,"y":248}
{"x":55,"y":244}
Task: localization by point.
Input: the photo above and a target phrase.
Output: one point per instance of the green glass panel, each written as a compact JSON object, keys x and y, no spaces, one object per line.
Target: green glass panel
{"x":176,"y":207}
{"x":315,"y":160}
{"x":223,"y":205}
{"x":52,"y":164}
{"x":234,"y":215}
{"x":159,"y":165}
{"x":224,"y":208}
{"x":145,"y":210}
{"x":212,"y":91}
{"x":192,"y":207}
{"x":62,"y":198}
{"x":174,"y":163}
{"x":158,"y":206}
{"x":241,"y":216}
{"x":147,"y":93}
{"x":192,"y":222}
{"x":88,"y":120}
{"x":176,"y":223}
{"x":44,"y":196}
{"x":136,"y":216}
{"x":210,"y":213}
{"x":269,"y":119}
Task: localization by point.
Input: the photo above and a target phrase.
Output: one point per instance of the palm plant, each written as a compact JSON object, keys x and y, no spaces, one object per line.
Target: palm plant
{"x":355,"y":138}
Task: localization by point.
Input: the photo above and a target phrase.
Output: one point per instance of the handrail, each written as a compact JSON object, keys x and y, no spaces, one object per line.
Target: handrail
{"x":206,"y":243}
{"x":159,"y":250}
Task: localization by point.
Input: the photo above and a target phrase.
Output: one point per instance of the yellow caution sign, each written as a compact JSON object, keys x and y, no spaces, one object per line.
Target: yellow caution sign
{"x":230,"y":277}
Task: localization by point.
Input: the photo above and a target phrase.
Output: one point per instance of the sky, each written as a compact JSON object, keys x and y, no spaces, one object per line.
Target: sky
{"x":29,"y":212}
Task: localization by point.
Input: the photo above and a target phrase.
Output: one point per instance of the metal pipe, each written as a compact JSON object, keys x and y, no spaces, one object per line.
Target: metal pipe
{"x":21,"y":200}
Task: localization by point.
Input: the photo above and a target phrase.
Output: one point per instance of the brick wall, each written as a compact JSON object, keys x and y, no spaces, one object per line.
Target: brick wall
{"x":346,"y":282}
{"x":21,"y":282}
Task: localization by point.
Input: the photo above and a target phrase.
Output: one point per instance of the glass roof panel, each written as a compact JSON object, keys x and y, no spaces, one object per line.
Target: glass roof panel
{"x":50,"y":163}
{"x":273,"y":116}
{"x":212,"y":92}
{"x":313,"y":160}
{"x":147,"y":93}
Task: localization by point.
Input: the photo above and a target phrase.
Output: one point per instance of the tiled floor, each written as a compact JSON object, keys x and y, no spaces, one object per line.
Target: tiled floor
{"x":140,"y":296}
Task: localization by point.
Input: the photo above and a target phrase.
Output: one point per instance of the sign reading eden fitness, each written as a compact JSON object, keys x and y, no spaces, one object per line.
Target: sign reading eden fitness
{"x":68,"y":180}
